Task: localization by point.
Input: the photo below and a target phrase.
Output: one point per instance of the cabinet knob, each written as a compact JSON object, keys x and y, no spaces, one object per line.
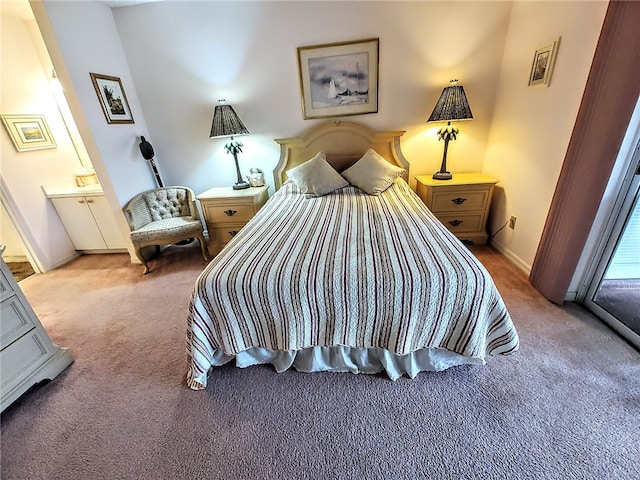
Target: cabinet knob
{"x":455,"y":223}
{"x":459,"y":200}
{"x":89,"y":201}
{"x":233,"y":233}
{"x":230,"y":213}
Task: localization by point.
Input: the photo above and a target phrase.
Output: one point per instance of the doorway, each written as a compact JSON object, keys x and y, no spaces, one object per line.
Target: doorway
{"x":614,"y":291}
{"x":14,"y":250}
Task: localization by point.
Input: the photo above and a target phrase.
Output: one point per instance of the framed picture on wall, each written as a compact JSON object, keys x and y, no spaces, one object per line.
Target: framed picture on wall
{"x":28,"y":132}
{"x":112,"y":98}
{"x":339,"y":79}
{"x":543,"y":62}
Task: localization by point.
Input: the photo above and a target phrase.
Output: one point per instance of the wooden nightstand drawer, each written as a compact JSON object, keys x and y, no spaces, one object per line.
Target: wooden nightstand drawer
{"x":459,"y":223}
{"x":222,"y":234}
{"x":454,"y":200}
{"x":226,"y":213}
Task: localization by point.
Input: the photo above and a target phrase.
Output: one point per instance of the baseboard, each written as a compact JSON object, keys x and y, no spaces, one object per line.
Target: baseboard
{"x":64,"y":261}
{"x":571,"y":297}
{"x":526,"y":268}
{"x":15,"y":258}
{"x":517,"y":261}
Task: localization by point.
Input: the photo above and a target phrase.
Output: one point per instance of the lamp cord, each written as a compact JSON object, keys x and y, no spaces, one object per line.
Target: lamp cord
{"x":499,"y":230}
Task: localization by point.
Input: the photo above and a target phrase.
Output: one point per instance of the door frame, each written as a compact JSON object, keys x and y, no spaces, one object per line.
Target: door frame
{"x":627,"y":199}
{"x":10,"y":207}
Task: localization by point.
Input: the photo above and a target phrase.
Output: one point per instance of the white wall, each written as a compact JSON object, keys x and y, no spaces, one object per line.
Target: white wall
{"x":82,"y":38}
{"x":28,"y":90}
{"x":176,"y":59}
{"x":184,"y":56}
{"x":532,"y":126}
{"x":86,"y":41}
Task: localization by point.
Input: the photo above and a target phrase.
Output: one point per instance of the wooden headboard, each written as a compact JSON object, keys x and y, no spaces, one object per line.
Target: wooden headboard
{"x":343,"y":142}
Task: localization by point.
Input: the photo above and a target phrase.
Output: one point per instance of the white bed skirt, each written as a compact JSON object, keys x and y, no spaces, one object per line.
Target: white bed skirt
{"x":342,"y":359}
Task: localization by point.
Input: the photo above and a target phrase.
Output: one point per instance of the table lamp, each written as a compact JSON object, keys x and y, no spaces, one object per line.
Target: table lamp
{"x":452,"y":105}
{"x":226,"y":123}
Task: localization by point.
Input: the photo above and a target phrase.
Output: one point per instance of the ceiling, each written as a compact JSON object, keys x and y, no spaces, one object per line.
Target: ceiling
{"x":125,"y":3}
{"x":21,"y":9}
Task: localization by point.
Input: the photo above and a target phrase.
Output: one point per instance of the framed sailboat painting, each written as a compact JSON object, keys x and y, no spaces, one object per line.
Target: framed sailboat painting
{"x":338,"y":79}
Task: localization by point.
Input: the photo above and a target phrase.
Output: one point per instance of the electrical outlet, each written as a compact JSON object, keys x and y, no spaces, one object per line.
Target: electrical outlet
{"x":512,"y":222}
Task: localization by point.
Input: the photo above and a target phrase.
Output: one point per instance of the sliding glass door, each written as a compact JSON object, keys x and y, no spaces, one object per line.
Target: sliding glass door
{"x":614,"y":293}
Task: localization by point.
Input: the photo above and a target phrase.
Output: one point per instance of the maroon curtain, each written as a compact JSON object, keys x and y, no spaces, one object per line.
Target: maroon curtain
{"x":608,"y":101}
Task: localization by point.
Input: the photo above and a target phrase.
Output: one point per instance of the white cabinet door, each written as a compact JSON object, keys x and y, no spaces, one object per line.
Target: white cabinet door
{"x":106,"y":223}
{"x":79,"y":223}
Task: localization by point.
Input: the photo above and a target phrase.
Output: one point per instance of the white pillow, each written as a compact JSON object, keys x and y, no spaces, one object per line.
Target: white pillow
{"x":316,"y":177}
{"x":372,"y":173}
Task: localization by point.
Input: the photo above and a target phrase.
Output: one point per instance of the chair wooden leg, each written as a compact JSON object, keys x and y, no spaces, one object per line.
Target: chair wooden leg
{"x":203,"y":247}
{"x":142,"y":260}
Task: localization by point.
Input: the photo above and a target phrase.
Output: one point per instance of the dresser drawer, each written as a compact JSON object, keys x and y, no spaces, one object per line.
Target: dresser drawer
{"x":465,"y":222}
{"x":457,"y":201}
{"x":21,"y":356}
{"x":5,"y":287}
{"x":14,"y":321}
{"x":228,"y":213}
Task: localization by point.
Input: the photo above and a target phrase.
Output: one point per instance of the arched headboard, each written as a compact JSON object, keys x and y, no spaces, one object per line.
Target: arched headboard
{"x":343,"y":142}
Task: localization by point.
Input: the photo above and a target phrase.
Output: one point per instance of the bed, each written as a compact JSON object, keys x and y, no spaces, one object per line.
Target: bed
{"x":350,"y":280}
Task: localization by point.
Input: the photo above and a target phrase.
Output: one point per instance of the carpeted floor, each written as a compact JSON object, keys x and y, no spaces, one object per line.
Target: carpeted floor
{"x":566,"y":406}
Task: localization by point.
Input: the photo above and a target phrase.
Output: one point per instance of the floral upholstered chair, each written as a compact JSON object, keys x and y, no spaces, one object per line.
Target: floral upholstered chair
{"x":164,"y":216}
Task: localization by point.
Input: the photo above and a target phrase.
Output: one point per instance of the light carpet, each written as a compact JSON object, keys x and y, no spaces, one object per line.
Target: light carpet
{"x":566,"y":406}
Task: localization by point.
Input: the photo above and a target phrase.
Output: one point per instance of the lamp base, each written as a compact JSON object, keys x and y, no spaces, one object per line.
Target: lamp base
{"x":442,"y":176}
{"x":241,"y":186}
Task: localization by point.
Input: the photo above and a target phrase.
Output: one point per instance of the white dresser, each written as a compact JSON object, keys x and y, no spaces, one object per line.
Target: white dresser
{"x":27,"y":355}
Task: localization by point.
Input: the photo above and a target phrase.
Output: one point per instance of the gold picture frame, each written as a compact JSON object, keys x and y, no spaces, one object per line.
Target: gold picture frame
{"x":113,"y":99}
{"x":339,"y":79}
{"x":543,"y":62}
{"x":28,"y":132}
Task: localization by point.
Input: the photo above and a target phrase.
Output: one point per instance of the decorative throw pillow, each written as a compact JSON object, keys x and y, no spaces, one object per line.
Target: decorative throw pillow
{"x":316,"y":177}
{"x":372,"y":173}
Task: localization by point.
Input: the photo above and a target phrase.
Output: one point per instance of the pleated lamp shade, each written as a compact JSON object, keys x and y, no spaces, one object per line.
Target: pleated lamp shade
{"x":226,"y":123}
{"x":452,"y":105}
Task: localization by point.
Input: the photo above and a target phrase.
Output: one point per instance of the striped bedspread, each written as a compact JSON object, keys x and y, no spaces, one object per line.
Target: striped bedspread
{"x":345,"y":269}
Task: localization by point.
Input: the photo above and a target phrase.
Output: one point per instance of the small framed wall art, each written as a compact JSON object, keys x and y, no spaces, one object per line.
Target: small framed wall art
{"x":543,"y":63}
{"x":339,"y":79}
{"x":112,"y":98}
{"x":28,"y":132}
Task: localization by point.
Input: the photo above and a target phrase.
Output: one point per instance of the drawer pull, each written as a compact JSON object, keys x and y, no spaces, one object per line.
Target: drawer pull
{"x":459,"y":200}
{"x":455,"y":223}
{"x":233,"y":233}
{"x":230,"y":213}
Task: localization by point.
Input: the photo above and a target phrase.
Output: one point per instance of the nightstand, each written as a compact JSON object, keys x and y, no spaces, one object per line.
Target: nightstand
{"x":227,"y":210}
{"x":461,"y":204}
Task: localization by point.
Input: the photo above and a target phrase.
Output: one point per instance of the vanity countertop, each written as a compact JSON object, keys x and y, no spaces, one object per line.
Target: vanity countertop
{"x":70,"y":190}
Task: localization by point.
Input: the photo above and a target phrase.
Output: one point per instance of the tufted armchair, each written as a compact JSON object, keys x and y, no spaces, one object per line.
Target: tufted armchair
{"x":163,"y":216}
